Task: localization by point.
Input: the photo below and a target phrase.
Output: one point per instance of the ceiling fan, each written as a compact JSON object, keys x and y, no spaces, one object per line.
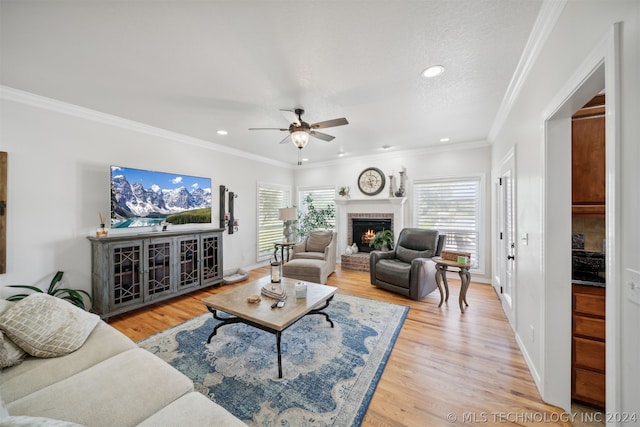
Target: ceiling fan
{"x":299,"y":130}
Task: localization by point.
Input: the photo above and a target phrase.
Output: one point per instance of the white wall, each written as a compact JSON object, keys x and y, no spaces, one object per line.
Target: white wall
{"x":58,"y":181}
{"x":471,"y":159}
{"x":580,"y":28}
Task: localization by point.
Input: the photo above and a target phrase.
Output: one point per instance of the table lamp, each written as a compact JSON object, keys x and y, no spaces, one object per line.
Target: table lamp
{"x":287,"y":215}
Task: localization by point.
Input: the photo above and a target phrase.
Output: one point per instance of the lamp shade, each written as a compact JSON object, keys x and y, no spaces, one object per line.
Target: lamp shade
{"x":287,"y":214}
{"x":300,"y":138}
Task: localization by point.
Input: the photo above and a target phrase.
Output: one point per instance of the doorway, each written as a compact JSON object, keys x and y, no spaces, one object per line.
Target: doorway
{"x":597,"y":73}
{"x":505,"y":238}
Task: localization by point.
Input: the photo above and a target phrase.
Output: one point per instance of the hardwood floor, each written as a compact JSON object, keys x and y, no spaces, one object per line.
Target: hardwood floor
{"x":446,"y":368}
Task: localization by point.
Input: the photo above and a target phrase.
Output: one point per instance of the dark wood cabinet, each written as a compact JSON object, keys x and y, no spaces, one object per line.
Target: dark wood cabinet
{"x":131,"y":271}
{"x":588,"y":159}
{"x":588,"y":345}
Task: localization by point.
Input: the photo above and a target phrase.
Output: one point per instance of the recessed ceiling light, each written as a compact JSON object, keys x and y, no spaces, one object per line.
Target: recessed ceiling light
{"x":222,"y":132}
{"x":304,"y":159}
{"x":445,"y":139}
{"x":386,"y":147}
{"x":433,"y":71}
{"x":342,"y":154}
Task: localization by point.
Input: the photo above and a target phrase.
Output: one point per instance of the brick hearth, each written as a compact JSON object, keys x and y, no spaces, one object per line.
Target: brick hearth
{"x":357,"y":262}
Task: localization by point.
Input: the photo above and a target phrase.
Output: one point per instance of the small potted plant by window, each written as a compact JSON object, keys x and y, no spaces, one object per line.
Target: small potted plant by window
{"x":344,"y":192}
{"x":382,"y":241}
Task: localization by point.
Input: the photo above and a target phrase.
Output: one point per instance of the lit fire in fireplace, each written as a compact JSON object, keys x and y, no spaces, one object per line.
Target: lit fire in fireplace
{"x":367,"y":236}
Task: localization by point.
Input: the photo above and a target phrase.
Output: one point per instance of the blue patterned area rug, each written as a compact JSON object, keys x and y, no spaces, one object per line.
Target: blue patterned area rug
{"x":329,"y":374}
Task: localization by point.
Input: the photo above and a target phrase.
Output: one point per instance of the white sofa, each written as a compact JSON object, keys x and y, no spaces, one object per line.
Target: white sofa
{"x":108,"y":381}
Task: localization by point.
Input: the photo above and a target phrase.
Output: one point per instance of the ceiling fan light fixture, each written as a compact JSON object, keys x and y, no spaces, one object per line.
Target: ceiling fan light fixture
{"x":433,"y":71}
{"x":300,"y":138}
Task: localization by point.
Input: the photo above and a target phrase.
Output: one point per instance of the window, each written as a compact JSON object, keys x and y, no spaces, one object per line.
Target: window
{"x":451,"y":206}
{"x":271,"y":197}
{"x":323,"y":201}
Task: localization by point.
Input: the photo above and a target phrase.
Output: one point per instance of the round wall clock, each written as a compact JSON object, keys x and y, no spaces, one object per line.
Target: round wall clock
{"x":371,"y":181}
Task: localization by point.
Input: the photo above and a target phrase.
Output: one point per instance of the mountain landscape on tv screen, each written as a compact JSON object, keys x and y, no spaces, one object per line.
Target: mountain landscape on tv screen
{"x":133,"y":205}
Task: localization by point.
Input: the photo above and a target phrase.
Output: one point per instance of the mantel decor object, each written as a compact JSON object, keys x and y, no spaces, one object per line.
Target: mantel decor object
{"x":344,"y":192}
{"x":371,"y":181}
{"x":392,"y":186}
{"x":400,"y":192}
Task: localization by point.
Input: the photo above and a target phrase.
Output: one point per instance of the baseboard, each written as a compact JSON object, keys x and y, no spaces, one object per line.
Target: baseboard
{"x":532,"y":368}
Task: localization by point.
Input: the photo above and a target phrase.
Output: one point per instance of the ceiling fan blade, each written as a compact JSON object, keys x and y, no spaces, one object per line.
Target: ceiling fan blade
{"x":330,"y":123}
{"x":267,"y":129}
{"x":285,"y":140}
{"x":291,"y":116}
{"x":322,"y":136}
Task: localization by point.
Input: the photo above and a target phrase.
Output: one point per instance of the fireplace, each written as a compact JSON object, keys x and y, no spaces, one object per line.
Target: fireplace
{"x":363,"y":230}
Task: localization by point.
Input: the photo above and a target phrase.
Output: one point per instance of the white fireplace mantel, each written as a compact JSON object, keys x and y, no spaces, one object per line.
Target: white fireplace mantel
{"x":344,"y":207}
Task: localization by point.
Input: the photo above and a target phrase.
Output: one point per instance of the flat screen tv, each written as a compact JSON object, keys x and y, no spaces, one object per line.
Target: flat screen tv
{"x":143,"y":198}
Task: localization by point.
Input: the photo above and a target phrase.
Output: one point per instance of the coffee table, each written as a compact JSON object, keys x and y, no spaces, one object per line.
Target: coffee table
{"x":274,"y":320}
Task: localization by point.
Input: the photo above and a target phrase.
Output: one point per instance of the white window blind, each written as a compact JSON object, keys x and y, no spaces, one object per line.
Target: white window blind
{"x":322,"y":198}
{"x":451,"y":206}
{"x":270,"y":228}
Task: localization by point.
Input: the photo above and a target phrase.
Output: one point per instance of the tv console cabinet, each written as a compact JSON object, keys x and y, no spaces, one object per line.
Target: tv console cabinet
{"x":134,"y":270}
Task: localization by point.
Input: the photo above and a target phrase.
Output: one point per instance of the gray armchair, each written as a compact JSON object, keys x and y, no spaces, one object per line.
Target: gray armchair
{"x":313,"y":259}
{"x":408,"y":269}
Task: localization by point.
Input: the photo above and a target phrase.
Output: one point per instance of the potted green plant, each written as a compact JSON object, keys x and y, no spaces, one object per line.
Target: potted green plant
{"x":314,"y":218}
{"x":383,"y":240}
{"x":74,"y":296}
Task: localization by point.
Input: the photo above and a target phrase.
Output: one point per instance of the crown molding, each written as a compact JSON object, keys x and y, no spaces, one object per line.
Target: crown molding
{"x":38,"y":101}
{"x":545,"y":22}
{"x":386,"y":155}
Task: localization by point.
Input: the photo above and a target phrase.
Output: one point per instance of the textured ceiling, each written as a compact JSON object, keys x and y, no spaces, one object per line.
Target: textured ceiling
{"x":195,"y":67}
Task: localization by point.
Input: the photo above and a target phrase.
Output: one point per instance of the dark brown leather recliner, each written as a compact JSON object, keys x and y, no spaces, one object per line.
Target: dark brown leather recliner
{"x":408,"y":269}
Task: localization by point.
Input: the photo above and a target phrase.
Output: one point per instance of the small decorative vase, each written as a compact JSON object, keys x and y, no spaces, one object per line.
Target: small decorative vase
{"x":400,"y":192}
{"x":102,"y":231}
{"x":392,"y":186}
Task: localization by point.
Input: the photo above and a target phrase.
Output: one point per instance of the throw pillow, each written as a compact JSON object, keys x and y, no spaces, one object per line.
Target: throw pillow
{"x":10,"y":354}
{"x":318,"y":240}
{"x":46,"y":326}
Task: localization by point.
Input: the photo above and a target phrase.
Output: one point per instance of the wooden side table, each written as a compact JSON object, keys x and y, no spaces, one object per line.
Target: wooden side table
{"x":282,"y":246}
{"x":442,"y":265}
